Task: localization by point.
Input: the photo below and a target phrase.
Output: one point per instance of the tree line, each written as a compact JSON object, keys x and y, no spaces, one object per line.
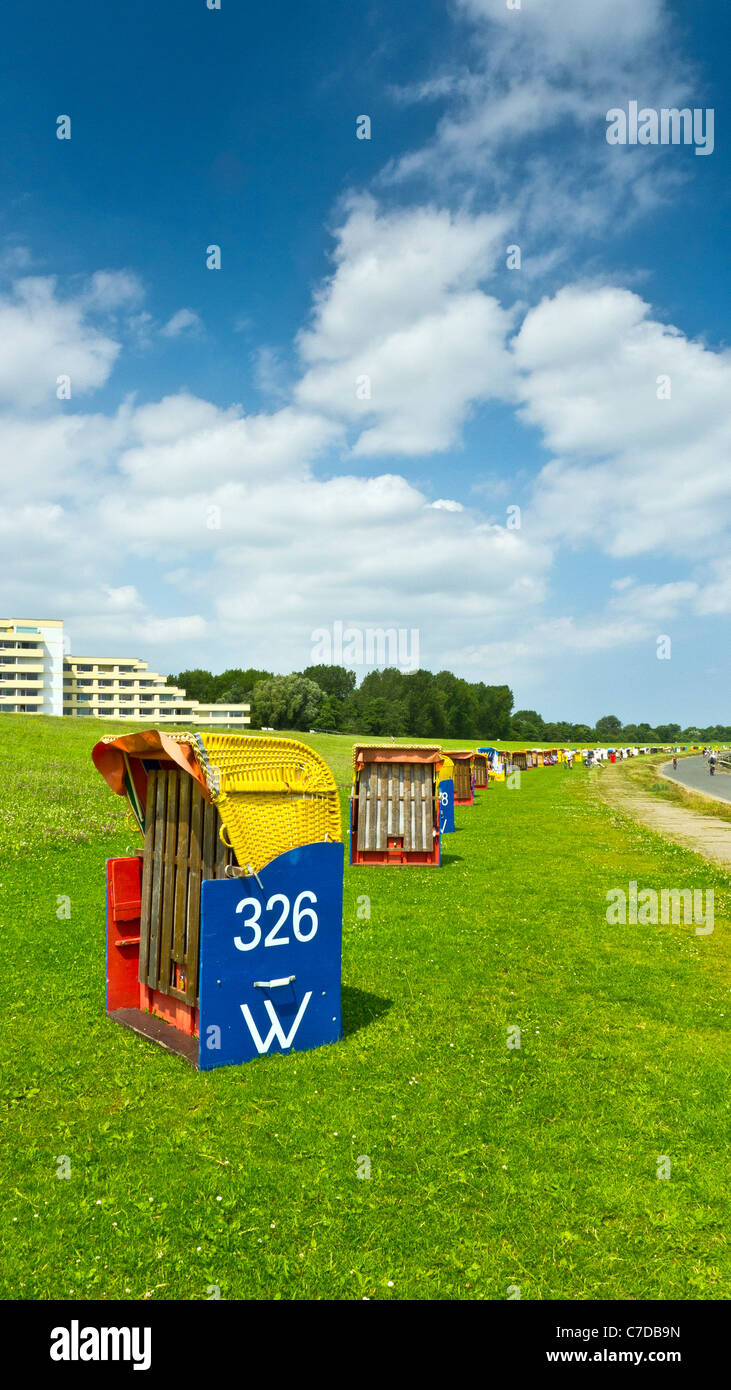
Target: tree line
{"x":421,"y":704}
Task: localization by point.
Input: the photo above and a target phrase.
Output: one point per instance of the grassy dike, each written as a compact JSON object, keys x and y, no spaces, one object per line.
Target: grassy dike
{"x":490,"y":1167}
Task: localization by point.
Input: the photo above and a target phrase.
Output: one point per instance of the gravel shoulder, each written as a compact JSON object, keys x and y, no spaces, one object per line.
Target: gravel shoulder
{"x":707,"y":835}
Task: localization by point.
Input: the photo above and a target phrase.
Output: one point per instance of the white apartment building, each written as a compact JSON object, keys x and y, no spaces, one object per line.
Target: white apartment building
{"x":37,"y":678}
{"x":31,"y":666}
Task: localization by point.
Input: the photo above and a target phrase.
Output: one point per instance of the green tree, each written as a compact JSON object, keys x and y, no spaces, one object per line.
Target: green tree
{"x":494,"y":706}
{"x":334,"y":680}
{"x":608,"y":727}
{"x":287,"y":702}
{"x":460,"y":711}
{"x":424,"y":708}
{"x":197,"y":684}
{"x":527,"y":723}
{"x":560,"y":731}
{"x":375,"y":718}
{"x":329,"y":716}
{"x":387,"y":688}
{"x":237,"y":685}
{"x":668,"y":732}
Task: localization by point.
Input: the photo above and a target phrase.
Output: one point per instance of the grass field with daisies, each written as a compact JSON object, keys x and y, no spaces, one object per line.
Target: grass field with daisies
{"x":493,"y":1168}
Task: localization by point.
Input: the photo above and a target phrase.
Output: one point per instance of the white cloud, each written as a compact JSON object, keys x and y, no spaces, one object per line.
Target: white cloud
{"x":532,"y":653}
{"x":635,"y":472}
{"x":655,"y":602}
{"x":124,"y":599}
{"x":15,"y":258}
{"x":393,"y":268}
{"x":174,"y":632}
{"x":185,"y":442}
{"x":134,"y":634}
{"x":714,"y":597}
{"x":270,"y":372}
{"x":58,"y":456}
{"x":290,"y":552}
{"x":184,"y":321}
{"x":563,"y":29}
{"x":403,"y":341}
{"x":42,"y":338}
{"x":108,"y":290}
{"x":551,"y":69}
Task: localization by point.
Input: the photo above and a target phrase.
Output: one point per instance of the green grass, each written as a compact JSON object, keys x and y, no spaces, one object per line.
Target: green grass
{"x":489,"y":1167}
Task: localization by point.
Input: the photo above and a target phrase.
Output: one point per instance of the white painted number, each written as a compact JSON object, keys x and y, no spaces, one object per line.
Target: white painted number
{"x":271,"y":937}
{"x":299,"y":914}
{"x":252,"y":922}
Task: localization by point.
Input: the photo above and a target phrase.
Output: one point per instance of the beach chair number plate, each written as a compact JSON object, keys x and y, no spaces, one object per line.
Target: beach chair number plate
{"x":271,"y":958}
{"x":446,"y":807}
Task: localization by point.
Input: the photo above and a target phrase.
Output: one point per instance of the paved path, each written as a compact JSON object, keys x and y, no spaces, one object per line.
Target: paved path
{"x":707,"y":835}
{"x":693,"y":773}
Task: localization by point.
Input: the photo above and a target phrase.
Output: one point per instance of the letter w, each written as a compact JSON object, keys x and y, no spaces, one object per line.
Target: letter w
{"x":285,"y":1040}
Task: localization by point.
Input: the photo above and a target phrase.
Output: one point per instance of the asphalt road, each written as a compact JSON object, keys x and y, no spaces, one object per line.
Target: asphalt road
{"x":693,"y":773}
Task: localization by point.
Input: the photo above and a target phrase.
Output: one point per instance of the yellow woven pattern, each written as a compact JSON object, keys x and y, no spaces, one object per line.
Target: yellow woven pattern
{"x":272,"y":794}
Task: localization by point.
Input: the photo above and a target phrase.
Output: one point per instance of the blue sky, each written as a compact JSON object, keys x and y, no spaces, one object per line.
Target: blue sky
{"x":214,"y":490}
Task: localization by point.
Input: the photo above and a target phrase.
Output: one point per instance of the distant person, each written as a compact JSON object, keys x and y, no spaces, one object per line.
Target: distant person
{"x":712,"y":764}
{"x":675,"y":764}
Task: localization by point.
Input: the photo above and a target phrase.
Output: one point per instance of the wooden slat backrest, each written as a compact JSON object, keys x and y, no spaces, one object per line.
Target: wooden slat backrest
{"x":462,"y":781}
{"x":395,"y":801}
{"x":420,"y":839}
{"x":382,"y":784}
{"x":193,"y":904}
{"x":147,"y":878}
{"x":402,"y":805}
{"x":408,"y":806}
{"x":154,"y":867}
{"x":182,"y":847}
{"x":363,"y":807}
{"x":168,"y":874}
{"x":430,"y":776}
{"x":182,"y":853}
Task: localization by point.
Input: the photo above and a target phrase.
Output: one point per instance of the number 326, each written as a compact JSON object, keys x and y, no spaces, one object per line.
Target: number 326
{"x":300,"y":914}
